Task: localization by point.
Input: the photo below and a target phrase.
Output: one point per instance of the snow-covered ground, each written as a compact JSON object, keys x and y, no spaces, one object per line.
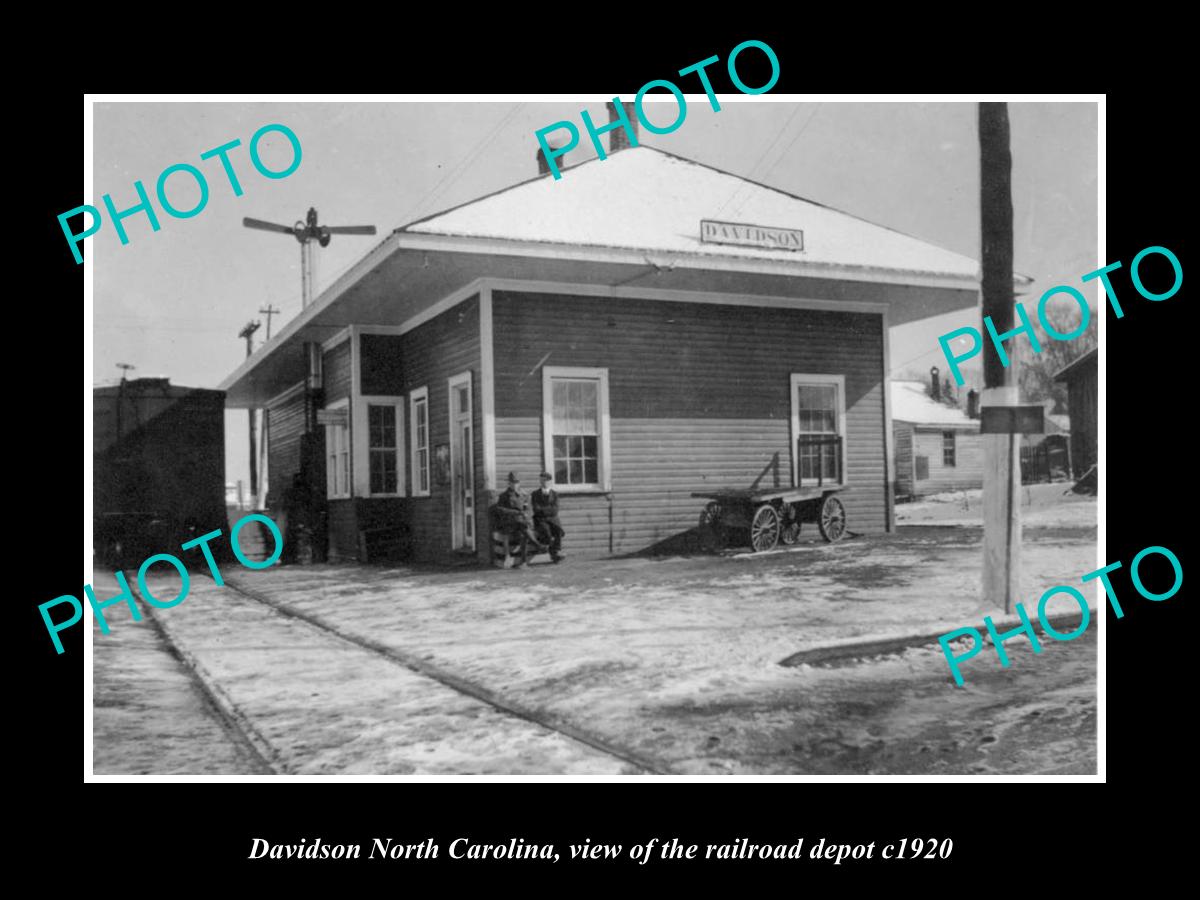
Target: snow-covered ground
{"x":150,"y":715}
{"x":675,"y":659}
{"x":1050,"y":505}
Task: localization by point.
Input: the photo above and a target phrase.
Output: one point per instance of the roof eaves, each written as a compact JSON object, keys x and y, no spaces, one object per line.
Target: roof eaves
{"x":327,"y":298}
{"x":698,"y":255}
{"x":1075,"y":363}
{"x":1024,"y":280}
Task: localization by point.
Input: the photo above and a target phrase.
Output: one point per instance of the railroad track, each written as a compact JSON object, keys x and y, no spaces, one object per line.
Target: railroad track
{"x":237,"y":726}
{"x":242,"y":729}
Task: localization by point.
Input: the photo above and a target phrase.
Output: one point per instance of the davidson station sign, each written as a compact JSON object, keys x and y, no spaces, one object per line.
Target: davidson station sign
{"x":751,"y":235}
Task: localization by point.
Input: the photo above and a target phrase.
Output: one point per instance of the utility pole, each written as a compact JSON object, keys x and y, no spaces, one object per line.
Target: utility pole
{"x":268,"y":312}
{"x":1001,"y":468}
{"x":260,"y":500}
{"x":124,"y":367}
{"x":248,"y":333}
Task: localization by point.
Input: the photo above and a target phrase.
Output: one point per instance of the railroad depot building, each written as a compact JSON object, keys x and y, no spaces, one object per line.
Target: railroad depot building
{"x":644,"y":328}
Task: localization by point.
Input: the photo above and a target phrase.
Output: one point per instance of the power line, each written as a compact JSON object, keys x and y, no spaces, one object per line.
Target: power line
{"x":770,"y":147}
{"x":459,"y":168}
{"x":937,"y":349}
{"x":784,"y":154}
{"x":148,"y":327}
{"x":792,"y":143}
{"x":453,"y":173}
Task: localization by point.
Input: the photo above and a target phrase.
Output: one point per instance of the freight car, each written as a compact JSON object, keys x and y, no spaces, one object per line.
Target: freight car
{"x":158,"y":467}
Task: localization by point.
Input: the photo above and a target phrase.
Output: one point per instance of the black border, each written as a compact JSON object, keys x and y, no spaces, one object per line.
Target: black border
{"x":207,"y":829}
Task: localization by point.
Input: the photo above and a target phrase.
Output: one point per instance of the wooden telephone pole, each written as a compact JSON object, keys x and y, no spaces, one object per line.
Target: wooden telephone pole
{"x":268,"y":312}
{"x":1001,"y":461}
{"x":263,"y":452}
{"x":248,"y":333}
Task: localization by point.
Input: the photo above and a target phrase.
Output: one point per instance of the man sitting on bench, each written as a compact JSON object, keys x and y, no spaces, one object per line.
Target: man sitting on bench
{"x":545,"y":517}
{"x":512,"y":517}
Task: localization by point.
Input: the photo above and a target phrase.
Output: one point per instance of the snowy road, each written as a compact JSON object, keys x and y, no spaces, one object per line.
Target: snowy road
{"x":673,"y":661}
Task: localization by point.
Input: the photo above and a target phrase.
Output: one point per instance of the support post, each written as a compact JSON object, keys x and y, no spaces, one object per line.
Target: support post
{"x":1001,"y":462}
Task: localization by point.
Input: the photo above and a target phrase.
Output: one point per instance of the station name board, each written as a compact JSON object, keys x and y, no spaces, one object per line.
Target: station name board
{"x":742,"y":235}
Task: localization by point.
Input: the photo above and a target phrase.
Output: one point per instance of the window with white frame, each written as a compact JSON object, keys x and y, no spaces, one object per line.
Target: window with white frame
{"x":419,"y":429}
{"x":383,"y":448}
{"x":337,"y":453}
{"x":818,"y":429}
{"x":378,"y":452}
{"x":575,"y":423}
{"x":949,"y":448}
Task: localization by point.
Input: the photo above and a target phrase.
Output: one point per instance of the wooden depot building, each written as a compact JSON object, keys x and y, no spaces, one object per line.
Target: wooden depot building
{"x":644,"y":328}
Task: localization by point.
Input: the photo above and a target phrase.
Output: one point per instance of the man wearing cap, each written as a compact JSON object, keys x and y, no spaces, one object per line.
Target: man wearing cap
{"x":545,"y":516}
{"x":513,"y":518}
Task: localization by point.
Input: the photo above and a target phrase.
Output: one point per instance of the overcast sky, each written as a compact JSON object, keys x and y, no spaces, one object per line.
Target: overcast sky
{"x":172,"y":302}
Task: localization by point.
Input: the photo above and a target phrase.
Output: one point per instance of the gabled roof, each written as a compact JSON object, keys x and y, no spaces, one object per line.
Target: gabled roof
{"x":644,"y":199}
{"x":606,"y":224}
{"x":1072,"y":368}
{"x":911,"y":403}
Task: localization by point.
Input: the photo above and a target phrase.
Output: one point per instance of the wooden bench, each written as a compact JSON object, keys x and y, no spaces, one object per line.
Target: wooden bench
{"x":502,"y":551}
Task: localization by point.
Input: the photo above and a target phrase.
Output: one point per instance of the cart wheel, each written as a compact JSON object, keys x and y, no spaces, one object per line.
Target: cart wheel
{"x":832,"y":523}
{"x":711,"y":531}
{"x":764,"y":529}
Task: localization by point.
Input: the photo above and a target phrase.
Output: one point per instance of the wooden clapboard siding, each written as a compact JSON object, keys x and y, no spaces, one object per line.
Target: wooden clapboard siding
{"x":286,"y":423}
{"x":699,"y":397}
{"x":396,"y":365}
{"x":382,"y":364}
{"x":336,"y":373}
{"x":349,"y":518}
{"x":1082,"y":394}
{"x":431,"y":354}
{"x":966,"y":474}
{"x":343,"y":530}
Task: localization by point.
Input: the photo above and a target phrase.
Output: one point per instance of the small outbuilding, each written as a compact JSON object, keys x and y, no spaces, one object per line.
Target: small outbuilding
{"x":1081,"y":377}
{"x":937,"y":444}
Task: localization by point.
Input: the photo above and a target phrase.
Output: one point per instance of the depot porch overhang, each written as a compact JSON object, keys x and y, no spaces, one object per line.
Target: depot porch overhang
{"x":410,"y":271}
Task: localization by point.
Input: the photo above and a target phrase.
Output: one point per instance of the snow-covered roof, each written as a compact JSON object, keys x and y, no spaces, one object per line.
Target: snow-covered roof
{"x":644,"y":199}
{"x":912,"y":403}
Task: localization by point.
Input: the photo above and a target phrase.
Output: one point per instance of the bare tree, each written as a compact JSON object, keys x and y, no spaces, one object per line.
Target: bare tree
{"x":1036,"y":371}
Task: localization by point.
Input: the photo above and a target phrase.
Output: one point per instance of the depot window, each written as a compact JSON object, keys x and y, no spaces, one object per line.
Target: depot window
{"x":818,"y":429}
{"x":385,"y":459}
{"x":419,"y":429}
{"x":575,"y":423}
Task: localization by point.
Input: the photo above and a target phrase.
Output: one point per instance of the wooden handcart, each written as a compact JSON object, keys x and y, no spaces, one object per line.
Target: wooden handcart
{"x":771,"y":516}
